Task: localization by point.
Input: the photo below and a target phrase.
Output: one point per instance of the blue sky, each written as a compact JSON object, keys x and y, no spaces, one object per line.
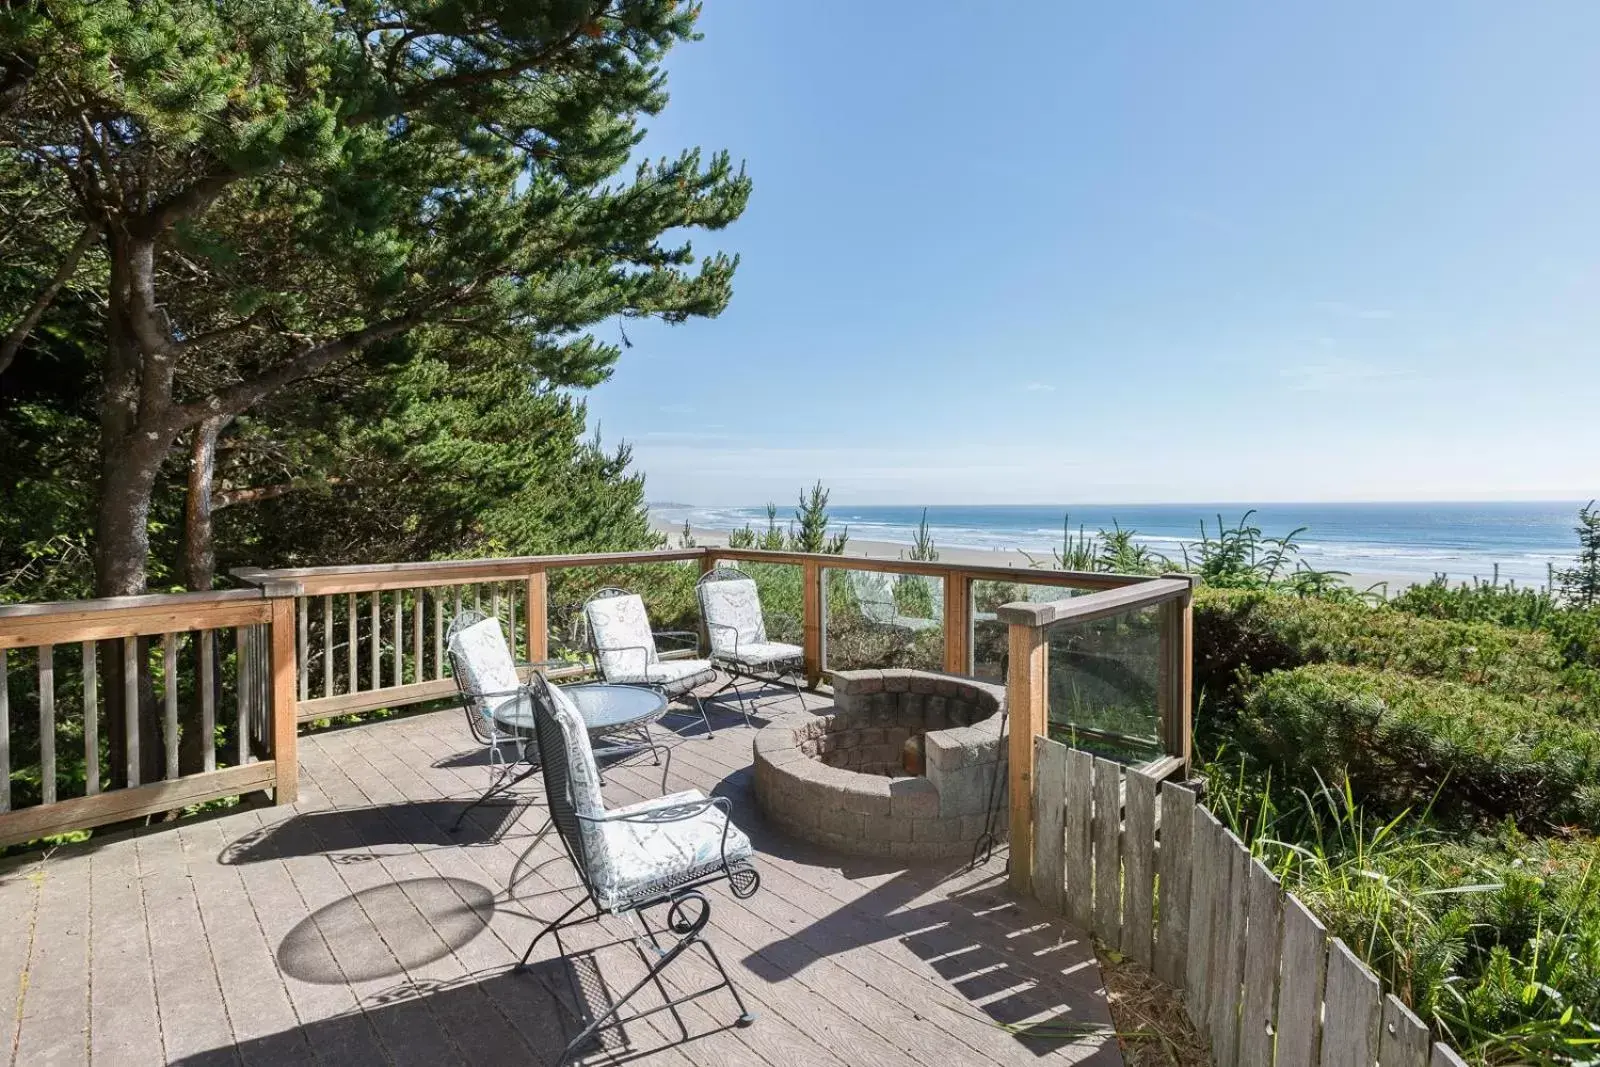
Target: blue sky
{"x":1136,"y":252}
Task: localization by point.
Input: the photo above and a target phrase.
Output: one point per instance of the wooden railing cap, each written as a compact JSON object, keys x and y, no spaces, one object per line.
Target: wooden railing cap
{"x":1096,"y":605}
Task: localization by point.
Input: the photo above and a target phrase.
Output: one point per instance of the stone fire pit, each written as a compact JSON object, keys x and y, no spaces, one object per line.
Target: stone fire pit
{"x":846,"y":780}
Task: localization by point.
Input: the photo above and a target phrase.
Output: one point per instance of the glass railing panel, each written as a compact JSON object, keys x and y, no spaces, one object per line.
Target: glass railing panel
{"x":989,"y":635}
{"x":667,"y":589}
{"x":876,"y":619}
{"x":1103,"y":685}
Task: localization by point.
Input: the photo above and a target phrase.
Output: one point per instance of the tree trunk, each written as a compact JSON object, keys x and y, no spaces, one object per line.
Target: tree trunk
{"x":199,"y":571}
{"x":199,"y":546}
{"x":135,"y":436}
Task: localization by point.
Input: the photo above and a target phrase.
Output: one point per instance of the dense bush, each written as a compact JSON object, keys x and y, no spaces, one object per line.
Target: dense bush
{"x":1241,"y":636}
{"x":1493,"y":940}
{"x":1409,"y":742}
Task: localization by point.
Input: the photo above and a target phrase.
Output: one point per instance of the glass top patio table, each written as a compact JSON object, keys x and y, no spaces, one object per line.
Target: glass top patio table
{"x":606,"y":709}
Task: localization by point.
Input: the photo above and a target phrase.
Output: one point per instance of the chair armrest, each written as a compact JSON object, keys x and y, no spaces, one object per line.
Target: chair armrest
{"x":689,"y":637}
{"x":644,"y":657}
{"x":718,"y":627}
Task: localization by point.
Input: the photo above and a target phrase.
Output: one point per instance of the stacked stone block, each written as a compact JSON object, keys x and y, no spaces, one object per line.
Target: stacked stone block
{"x":839,"y":781}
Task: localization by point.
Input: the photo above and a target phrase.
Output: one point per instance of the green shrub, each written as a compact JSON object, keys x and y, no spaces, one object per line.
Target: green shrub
{"x":1243,"y":635}
{"x":1494,"y":941}
{"x":1410,"y":742}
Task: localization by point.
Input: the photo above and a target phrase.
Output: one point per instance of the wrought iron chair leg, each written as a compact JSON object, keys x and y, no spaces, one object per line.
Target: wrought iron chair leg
{"x":498,"y":786}
{"x":616,"y":1007}
{"x":661,"y":988}
{"x":558,"y":924}
{"x":704,"y":717}
{"x":746,"y":1016}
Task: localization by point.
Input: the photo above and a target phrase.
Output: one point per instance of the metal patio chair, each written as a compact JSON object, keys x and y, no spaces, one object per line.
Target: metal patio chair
{"x":616,"y":629}
{"x":492,"y":694}
{"x":874,"y":592}
{"x":730,"y":604}
{"x":656,"y":854}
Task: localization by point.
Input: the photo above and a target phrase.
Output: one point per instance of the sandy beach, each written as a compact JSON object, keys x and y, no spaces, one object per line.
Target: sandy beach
{"x":995,"y":557}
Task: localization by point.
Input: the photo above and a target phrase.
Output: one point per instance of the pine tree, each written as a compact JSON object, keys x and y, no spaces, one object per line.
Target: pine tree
{"x":262,"y":192}
{"x":1580,"y":585}
{"x":810,"y":534}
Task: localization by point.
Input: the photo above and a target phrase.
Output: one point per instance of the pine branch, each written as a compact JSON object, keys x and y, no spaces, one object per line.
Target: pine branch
{"x":237,"y":398}
{"x":18,"y":333}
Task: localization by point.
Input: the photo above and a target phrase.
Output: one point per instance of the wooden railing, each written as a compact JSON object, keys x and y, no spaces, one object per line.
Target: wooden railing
{"x":134,"y":658}
{"x":1155,"y":875}
{"x":314,"y":643}
{"x":1029,"y":695}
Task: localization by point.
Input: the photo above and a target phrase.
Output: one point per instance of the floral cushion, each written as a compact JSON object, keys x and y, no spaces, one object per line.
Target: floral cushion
{"x":732,"y":610}
{"x":652,"y":854}
{"x":583,"y":785}
{"x":620,"y":628}
{"x":765,"y":654}
{"x":678,"y":676}
{"x":481,"y":655}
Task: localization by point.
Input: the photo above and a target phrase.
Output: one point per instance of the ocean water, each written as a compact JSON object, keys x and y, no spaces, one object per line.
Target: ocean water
{"x":1383,"y":540}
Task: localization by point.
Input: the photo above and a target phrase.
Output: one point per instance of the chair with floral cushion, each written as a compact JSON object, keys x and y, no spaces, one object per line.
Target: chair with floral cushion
{"x":617,"y":631}
{"x":655,"y":854}
{"x":494,"y":697}
{"x":730,"y":604}
{"x":875,"y":598}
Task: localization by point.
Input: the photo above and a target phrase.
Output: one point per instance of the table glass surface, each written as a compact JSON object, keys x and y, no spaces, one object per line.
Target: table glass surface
{"x":603,"y":707}
{"x":606,"y":707}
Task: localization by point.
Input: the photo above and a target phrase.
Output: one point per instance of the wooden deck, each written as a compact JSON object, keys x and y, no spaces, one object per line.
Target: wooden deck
{"x":354,"y":927}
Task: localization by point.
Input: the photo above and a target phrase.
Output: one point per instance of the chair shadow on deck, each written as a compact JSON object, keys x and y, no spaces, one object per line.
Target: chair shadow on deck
{"x":490,"y":1017}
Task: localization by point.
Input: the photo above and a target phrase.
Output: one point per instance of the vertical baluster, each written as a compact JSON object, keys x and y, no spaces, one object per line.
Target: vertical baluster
{"x":91,"y":721}
{"x":458,"y":601}
{"x":417,"y":673}
{"x":169,"y":690}
{"x":327,"y":646}
{"x":245,"y":693}
{"x":399,"y":637}
{"x":511,"y":617}
{"x":208,"y":705}
{"x":47,"y":724}
{"x":355,"y":643}
{"x":372,"y":647}
{"x":477,"y":598}
{"x":130,"y":706}
{"x":5,"y":730}
{"x":303,"y":609}
{"x":438,"y":634}
{"x":494,"y":602}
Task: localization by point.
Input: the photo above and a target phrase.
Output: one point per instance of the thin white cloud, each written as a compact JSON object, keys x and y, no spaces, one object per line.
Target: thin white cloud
{"x":1326,"y":375}
{"x":1039,"y":387}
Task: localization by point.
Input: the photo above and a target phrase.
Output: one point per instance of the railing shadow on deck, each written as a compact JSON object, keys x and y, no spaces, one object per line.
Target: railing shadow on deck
{"x":347,"y":835}
{"x":979,"y":937}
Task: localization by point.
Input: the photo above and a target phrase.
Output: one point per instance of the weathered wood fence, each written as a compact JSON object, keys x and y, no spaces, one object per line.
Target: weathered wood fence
{"x":1156,"y":876}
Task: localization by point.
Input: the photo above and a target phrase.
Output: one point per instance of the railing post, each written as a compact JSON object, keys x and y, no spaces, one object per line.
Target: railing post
{"x":1175,"y":693}
{"x":811,"y":601}
{"x":286,"y":765}
{"x":957,"y":623}
{"x":708,"y":563}
{"x":538,"y":616}
{"x":1027,"y":703}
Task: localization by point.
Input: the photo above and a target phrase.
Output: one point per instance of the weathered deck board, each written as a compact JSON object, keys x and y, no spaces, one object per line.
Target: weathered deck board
{"x":357,"y":928}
